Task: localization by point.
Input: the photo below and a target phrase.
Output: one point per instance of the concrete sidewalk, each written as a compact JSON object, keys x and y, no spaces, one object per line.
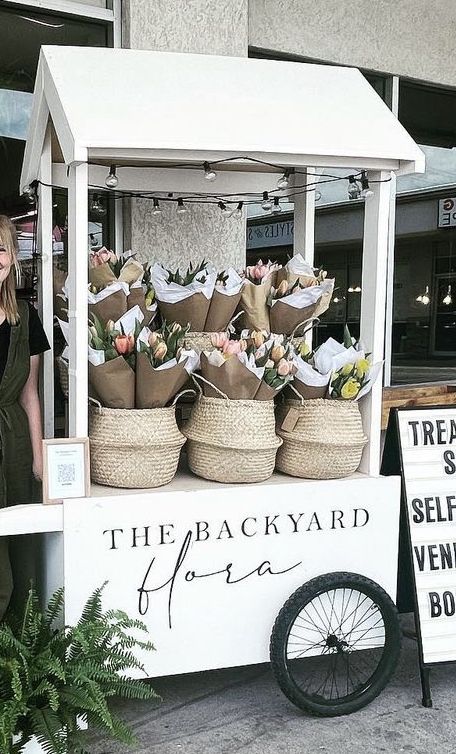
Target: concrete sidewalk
{"x":243,"y":710}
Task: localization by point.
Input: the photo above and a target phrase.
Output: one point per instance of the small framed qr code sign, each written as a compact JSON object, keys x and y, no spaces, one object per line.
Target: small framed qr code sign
{"x":66,"y":469}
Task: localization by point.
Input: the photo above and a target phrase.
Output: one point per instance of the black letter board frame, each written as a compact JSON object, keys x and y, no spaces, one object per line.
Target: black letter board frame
{"x":407,"y":598}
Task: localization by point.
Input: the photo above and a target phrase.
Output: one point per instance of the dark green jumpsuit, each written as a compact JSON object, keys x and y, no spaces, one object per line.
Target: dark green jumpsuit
{"x":17,"y":483}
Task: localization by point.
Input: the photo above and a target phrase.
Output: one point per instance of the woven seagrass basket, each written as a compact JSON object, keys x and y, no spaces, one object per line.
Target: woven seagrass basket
{"x":137,"y":449}
{"x":232,"y":441}
{"x":322,"y":439}
{"x":62,"y":367}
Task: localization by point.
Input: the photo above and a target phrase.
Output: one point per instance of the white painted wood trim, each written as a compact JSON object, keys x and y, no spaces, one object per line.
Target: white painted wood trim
{"x":304,"y":217}
{"x":46,"y":286}
{"x":66,"y":7}
{"x":77,"y":304}
{"x":373,"y":304}
{"x":394,"y":105}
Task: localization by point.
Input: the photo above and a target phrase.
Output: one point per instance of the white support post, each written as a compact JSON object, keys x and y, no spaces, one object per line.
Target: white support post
{"x":46,"y":284}
{"x":373,"y":305}
{"x":304,"y":217}
{"x":393,"y":103}
{"x":77,"y":304}
{"x":304,"y":223}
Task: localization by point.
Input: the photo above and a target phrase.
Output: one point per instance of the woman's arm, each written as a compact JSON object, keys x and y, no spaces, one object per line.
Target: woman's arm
{"x":30,"y":402}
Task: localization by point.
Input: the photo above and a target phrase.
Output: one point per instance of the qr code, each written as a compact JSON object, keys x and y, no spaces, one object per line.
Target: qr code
{"x":66,"y":473}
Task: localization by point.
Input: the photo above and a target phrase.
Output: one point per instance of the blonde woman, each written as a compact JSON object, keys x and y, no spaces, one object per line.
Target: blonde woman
{"x":22,"y":340}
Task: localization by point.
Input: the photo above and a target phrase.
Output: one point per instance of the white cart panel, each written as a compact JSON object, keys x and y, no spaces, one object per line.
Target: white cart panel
{"x":208,"y":569}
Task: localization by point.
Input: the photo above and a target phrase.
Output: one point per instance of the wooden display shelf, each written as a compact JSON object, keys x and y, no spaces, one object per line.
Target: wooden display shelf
{"x":416,"y":395}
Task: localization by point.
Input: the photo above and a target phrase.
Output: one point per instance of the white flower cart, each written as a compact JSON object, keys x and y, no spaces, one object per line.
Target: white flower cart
{"x":209,"y":566}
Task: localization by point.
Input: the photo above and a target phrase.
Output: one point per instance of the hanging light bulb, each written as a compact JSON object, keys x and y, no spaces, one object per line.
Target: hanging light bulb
{"x":351,"y":289}
{"x":238,"y":211}
{"x":425,"y":298}
{"x":209,"y":174}
{"x":284,"y":181}
{"x":357,"y":289}
{"x":448,"y":298}
{"x":224,"y":209}
{"x":276,"y":209}
{"x":266,"y":203}
{"x":30,"y":194}
{"x":317,"y":195}
{"x":354,"y":191}
{"x":336,"y":299}
{"x":181,"y":208}
{"x":157,"y":209}
{"x":366,"y":192}
{"x":97,"y":207}
{"x":112,"y":180}
{"x":419,"y":298}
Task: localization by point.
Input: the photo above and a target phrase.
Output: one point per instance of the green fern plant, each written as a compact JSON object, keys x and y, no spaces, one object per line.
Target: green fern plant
{"x":49,"y":675}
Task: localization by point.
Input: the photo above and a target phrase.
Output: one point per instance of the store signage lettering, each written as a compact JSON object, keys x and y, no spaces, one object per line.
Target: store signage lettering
{"x":428,"y":441}
{"x":270,"y":234}
{"x":447,"y":212}
{"x":181,"y":574}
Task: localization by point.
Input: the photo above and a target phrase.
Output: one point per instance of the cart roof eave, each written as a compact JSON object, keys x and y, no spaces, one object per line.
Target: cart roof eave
{"x":137,"y":106}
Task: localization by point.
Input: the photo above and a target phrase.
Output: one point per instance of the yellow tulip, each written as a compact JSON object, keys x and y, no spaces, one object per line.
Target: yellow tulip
{"x":350,"y":389}
{"x":362,"y":367}
{"x":346,"y":370}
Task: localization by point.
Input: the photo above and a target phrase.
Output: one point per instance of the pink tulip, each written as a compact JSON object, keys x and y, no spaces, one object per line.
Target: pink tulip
{"x":260,"y":271}
{"x":283,"y":368}
{"x":124,"y":344}
{"x":218,"y":339}
{"x":232,"y":348}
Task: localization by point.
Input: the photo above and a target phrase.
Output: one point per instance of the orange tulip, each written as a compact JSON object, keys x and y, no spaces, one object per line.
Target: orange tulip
{"x":124,"y":344}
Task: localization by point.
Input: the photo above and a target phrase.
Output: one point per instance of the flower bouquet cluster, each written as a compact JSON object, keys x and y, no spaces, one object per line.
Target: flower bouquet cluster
{"x":112,"y":359}
{"x":302,"y":293}
{"x":256,"y":366}
{"x":259,"y":279}
{"x":335,"y":370}
{"x":163,"y":365}
{"x":132,"y":367}
{"x":117,"y":284}
{"x":200,"y":298}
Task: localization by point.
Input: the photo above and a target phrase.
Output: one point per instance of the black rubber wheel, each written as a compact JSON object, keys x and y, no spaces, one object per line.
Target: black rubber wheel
{"x":335,"y":644}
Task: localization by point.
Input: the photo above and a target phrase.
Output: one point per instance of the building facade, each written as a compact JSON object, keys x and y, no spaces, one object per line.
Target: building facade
{"x":405,"y":50}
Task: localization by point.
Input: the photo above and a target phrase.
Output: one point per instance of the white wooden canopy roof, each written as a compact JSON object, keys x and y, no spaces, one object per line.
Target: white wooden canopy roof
{"x":157,"y":107}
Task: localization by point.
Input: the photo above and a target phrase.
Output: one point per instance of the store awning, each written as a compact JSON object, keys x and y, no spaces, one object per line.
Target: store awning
{"x":138,"y":106}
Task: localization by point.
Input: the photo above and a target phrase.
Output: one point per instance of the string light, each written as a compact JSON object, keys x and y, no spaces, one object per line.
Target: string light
{"x":317,"y":195}
{"x":366,"y":192}
{"x":181,"y":209}
{"x":424,"y":298}
{"x":112,"y":179}
{"x":266,"y":203}
{"x":354,"y":192}
{"x":157,"y":209}
{"x":284,"y":181}
{"x":209,"y":174}
{"x":238,"y":211}
{"x":224,"y":209}
{"x":448,"y":298}
{"x":276,"y":209}
{"x":30,"y":193}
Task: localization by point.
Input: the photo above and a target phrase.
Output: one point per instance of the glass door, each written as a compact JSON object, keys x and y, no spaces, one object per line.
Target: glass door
{"x":444,"y":316}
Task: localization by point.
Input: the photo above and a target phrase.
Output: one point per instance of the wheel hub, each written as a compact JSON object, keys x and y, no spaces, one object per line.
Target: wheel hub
{"x":334,"y":642}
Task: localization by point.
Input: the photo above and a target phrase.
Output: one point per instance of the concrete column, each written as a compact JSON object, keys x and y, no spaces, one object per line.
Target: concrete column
{"x":193,"y":26}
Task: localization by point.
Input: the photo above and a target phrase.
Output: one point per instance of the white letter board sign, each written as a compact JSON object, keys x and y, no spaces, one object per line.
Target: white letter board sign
{"x":428,"y":450}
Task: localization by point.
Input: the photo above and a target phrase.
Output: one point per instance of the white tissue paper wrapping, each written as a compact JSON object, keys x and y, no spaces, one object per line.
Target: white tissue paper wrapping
{"x":304,"y":297}
{"x":95,"y":298}
{"x":308,"y":375}
{"x":298,"y":266}
{"x":172,"y":293}
{"x":96,"y":357}
{"x":233,"y":283}
{"x":127,"y":323}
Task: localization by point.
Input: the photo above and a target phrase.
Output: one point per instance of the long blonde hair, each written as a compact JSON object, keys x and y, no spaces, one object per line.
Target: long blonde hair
{"x":8,"y":239}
